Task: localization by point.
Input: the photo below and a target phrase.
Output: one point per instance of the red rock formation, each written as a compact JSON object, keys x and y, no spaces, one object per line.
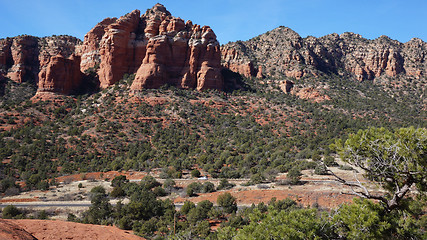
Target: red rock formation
{"x":283,"y":52}
{"x":22,"y":57}
{"x":89,"y":50}
{"x":10,"y":230}
{"x":286,"y":86}
{"x":310,"y":93}
{"x":260,"y":73}
{"x":51,"y":229}
{"x":232,"y":59}
{"x":61,"y":75}
{"x":5,"y":54}
{"x":24,"y":51}
{"x":160,"y":48}
{"x":182,"y":55}
{"x":116,"y":50}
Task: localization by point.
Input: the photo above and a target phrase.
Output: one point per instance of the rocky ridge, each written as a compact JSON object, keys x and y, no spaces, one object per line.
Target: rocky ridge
{"x":159,"y":48}
{"x":282,"y":52}
{"x":21,"y":57}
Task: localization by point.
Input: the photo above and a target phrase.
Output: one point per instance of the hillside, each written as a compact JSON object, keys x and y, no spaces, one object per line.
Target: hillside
{"x":256,"y":126}
{"x":152,"y":93}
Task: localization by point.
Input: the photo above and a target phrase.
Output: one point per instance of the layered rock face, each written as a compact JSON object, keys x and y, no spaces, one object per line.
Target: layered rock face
{"x":21,"y":57}
{"x":234,"y":57}
{"x":23,"y":54}
{"x":158,"y":47}
{"x":61,"y":75}
{"x":282,"y":51}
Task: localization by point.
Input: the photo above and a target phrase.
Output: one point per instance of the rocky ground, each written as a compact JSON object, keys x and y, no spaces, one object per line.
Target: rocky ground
{"x":54,"y":230}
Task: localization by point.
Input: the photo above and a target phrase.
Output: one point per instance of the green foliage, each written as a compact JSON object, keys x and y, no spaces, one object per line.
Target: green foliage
{"x":42,"y":215}
{"x":224,"y":184}
{"x":119,"y":181}
{"x":330,"y":161}
{"x":227,"y":202}
{"x":297,"y":224}
{"x":394,"y":159}
{"x":360,"y":220}
{"x":187,"y":206}
{"x":208,"y":187}
{"x":100,"y":210}
{"x":195,"y":173}
{"x":321,"y":169}
{"x":10,"y":211}
{"x":149,"y":182}
{"x":193,"y":188}
{"x":117,"y":192}
{"x":294,"y":176}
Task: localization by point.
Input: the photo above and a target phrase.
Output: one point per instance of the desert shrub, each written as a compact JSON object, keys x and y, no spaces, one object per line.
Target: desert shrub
{"x":330,"y":161}
{"x":227,"y":202}
{"x":224,"y":184}
{"x":11,"y":211}
{"x":321,"y":169}
{"x":117,"y":192}
{"x":208,"y":187}
{"x":195,"y":173}
{"x":187,"y":206}
{"x":193,"y":188}
{"x":294,"y":176}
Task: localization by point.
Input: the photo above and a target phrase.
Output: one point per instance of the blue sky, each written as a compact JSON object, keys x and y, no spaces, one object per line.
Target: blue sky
{"x":231,"y":20}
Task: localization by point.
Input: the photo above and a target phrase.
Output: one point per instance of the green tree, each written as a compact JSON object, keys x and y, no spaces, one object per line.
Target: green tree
{"x":149,"y":182}
{"x":360,"y":220}
{"x":296,"y":224}
{"x":193,"y":188}
{"x":294,"y":176}
{"x":397,"y":160}
{"x":227,"y":202}
{"x":224,"y":184}
{"x":195,"y":173}
{"x":100,"y":209}
{"x":10,"y":211}
{"x":187,"y":206}
{"x":208,"y":187}
{"x":119,"y":181}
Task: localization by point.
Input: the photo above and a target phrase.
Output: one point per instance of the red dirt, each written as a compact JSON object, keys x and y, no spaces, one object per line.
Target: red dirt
{"x":10,"y":230}
{"x":19,"y":200}
{"x":50,"y":230}
{"x":100,"y":176}
{"x":247,"y":197}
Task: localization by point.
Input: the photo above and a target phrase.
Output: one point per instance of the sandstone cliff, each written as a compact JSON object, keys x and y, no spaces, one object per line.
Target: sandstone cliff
{"x":60,"y":75}
{"x":282,"y":52}
{"x":159,"y":48}
{"x":22,"y":57}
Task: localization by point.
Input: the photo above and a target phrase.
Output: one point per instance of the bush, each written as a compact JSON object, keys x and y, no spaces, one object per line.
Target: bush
{"x":119,"y":181}
{"x":149,"y":182}
{"x":187,"y":206}
{"x":10,"y":211}
{"x":320,"y":170}
{"x":224,"y":184}
{"x":195,"y":173}
{"x":159,"y":191}
{"x":227,"y":202}
{"x":208,"y":187}
{"x":117,"y":192}
{"x":193,"y":188}
{"x":330,"y":161}
{"x":294,"y":176}
{"x":42,"y":215}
